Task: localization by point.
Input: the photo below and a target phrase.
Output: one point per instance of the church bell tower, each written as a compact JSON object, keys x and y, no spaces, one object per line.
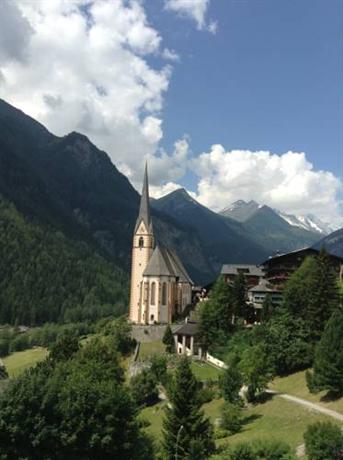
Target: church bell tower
{"x":142,"y":248}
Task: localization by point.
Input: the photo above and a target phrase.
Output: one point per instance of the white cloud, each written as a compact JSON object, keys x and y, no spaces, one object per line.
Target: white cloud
{"x":193,"y":9}
{"x":82,"y":65}
{"x":170,"y":55}
{"x":170,"y":167}
{"x":287,"y":182}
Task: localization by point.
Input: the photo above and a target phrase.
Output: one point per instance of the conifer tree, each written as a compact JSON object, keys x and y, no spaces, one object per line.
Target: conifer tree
{"x":216,"y":314}
{"x":328,"y":362}
{"x":187,"y":433}
{"x":168,"y":340}
{"x":312,"y":293}
{"x":230,"y":383}
{"x":239,"y":296}
{"x":267,"y":308}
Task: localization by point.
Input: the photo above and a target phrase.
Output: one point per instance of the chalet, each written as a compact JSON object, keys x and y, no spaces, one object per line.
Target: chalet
{"x":252,"y":273}
{"x":280,"y":267}
{"x":257,"y":295}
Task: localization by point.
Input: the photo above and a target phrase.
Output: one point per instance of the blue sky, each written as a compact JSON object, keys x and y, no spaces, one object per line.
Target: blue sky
{"x":271,"y":78}
{"x":229,"y":99}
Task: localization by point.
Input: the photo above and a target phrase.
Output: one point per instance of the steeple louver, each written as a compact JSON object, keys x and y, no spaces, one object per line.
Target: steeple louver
{"x":144,"y":209}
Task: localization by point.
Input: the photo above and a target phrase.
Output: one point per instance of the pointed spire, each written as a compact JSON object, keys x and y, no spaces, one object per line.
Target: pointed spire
{"x":144,"y":209}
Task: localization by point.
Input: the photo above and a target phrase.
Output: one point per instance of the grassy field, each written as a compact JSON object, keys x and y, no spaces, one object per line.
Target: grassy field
{"x":150,"y":348}
{"x":21,"y":360}
{"x":275,"y":419}
{"x":295,"y":385}
{"x":204,"y":371}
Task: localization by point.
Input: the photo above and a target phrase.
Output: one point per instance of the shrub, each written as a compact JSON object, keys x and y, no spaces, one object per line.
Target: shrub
{"x":144,"y":389}
{"x":242,"y":452}
{"x":324,"y":441}
{"x":272,"y":450}
{"x":206,"y":394}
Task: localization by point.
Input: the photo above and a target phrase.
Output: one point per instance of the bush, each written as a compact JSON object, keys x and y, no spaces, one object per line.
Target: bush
{"x":242,"y":452}
{"x":4,"y":347}
{"x":220,"y":433}
{"x":144,"y":389}
{"x":273,"y":450}
{"x":206,"y":394}
{"x":231,"y":418}
{"x":324,"y":441}
{"x":158,"y":368}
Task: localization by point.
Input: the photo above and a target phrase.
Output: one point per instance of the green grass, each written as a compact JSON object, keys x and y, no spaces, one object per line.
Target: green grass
{"x":295,"y":384}
{"x":154,"y":415}
{"x":275,"y":419}
{"x":204,"y":371}
{"x":17,"y":362}
{"x":150,"y":348}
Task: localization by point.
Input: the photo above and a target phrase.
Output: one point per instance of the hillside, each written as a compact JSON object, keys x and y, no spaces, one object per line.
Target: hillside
{"x":223,"y":239}
{"x":333,"y":243}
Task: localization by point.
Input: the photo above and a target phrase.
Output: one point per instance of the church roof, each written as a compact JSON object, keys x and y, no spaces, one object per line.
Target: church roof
{"x":165,"y":262}
{"x":144,"y":209}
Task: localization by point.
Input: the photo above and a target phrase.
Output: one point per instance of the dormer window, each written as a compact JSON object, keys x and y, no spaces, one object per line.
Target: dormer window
{"x":141,"y":242}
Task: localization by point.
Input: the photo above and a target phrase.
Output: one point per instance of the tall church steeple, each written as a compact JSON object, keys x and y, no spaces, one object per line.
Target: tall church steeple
{"x":144,"y":209}
{"x":142,"y":248}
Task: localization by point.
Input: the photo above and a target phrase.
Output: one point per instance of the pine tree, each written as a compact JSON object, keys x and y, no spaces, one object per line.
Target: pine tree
{"x":168,"y":340}
{"x":230,"y":383}
{"x":216,"y":315}
{"x":187,"y":434}
{"x":328,"y":362}
{"x":323,"y":295}
{"x":312,"y":293}
{"x":239,"y":296}
{"x":267,"y":308}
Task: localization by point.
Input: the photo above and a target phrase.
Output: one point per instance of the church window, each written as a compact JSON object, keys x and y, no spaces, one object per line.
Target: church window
{"x":164,"y":294}
{"x":151,"y":317}
{"x":141,"y":242}
{"x":153,"y":293}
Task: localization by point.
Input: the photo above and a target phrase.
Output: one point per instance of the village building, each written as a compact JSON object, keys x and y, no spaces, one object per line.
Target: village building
{"x":252,"y":273}
{"x":280,"y":267}
{"x":257,"y":295}
{"x":160,"y":284}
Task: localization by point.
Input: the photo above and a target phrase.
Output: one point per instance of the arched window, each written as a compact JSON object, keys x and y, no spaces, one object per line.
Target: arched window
{"x":153,"y":293}
{"x":141,"y":242}
{"x":164,"y":294}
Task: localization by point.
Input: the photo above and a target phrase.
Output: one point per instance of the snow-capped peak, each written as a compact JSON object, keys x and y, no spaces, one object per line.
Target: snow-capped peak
{"x":308,"y":222}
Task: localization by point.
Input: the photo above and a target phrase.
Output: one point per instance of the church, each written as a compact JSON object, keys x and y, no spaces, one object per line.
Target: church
{"x":160,"y":284}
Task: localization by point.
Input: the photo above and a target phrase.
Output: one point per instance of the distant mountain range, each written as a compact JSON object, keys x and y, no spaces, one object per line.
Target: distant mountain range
{"x":242,"y":211}
{"x":67,"y":186}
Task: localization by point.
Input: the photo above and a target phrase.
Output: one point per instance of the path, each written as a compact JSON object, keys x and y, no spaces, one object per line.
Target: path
{"x":300,"y":451}
{"x":310,"y":405}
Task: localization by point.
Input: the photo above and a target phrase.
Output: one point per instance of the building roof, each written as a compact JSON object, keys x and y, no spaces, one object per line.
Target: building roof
{"x":235,"y":269}
{"x":144,"y":209}
{"x":263,"y":286}
{"x":165,"y":262}
{"x":190,"y":329}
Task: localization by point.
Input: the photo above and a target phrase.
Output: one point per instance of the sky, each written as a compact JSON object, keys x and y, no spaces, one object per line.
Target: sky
{"x":230,"y":99}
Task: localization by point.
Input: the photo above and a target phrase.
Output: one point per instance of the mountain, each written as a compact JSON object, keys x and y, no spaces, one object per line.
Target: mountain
{"x":241,"y":210}
{"x":333,"y":243}
{"x":308,"y":222}
{"x":223,"y":239}
{"x":65,"y":184}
